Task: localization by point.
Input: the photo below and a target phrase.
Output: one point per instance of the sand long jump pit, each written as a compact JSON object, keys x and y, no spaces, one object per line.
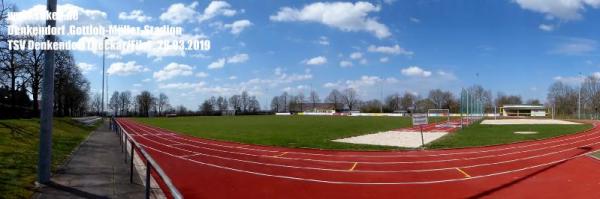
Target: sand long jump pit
{"x":410,"y":139}
{"x":526,"y":121}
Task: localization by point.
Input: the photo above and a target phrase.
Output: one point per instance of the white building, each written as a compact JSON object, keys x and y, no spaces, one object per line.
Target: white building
{"x":523,"y":110}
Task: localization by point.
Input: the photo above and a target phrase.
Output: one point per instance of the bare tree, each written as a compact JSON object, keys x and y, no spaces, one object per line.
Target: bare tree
{"x":408,"y":101}
{"x":114,"y":103}
{"x":563,"y":97}
{"x":314,"y":98}
{"x":300,"y":99}
{"x":245,"y":101}
{"x":235,"y":102}
{"x":145,"y":102}
{"x":96,"y":103}
{"x":393,"y":102}
{"x":163,"y":102}
{"x":503,"y":99}
{"x":284,"y":100}
{"x":335,"y":97}
{"x":34,"y":71}
{"x":590,"y":94}
{"x":222,"y":103}
{"x":125,"y":102}
{"x":275,"y":104}
{"x":350,"y":98}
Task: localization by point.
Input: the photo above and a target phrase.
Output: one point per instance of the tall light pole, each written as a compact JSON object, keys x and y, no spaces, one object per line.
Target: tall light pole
{"x":44,"y":159}
{"x":381,"y":95}
{"x":579,"y":100}
{"x":103,"y":60}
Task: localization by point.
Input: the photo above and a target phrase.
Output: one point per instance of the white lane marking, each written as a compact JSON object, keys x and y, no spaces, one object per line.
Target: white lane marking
{"x":368,"y":183}
{"x":371,"y":171}
{"x":381,"y":162}
{"x":541,"y":142}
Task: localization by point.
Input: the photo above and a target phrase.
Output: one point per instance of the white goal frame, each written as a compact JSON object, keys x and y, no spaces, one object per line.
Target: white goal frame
{"x":446,"y":112}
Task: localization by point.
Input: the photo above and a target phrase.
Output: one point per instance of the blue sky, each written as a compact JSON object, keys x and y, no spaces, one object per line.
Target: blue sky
{"x":267,"y":47}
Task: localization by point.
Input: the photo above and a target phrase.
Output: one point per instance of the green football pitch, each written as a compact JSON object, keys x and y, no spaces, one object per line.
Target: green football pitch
{"x":318,"y":131}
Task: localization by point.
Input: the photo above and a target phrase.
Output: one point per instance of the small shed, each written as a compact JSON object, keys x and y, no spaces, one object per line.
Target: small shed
{"x":523,"y":110}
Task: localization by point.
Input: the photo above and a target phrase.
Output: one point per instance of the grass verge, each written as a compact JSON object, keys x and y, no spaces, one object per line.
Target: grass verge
{"x":482,"y":135}
{"x":19,"y":141}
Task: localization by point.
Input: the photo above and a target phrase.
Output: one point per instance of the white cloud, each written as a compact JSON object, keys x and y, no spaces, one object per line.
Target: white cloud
{"x":216,"y":8}
{"x":85,"y":67}
{"x":323,"y":41}
{"x":236,"y":59}
{"x":239,"y":58}
{"x":389,"y":1}
{"x":137,"y":15}
{"x":178,"y":13}
{"x":415,"y":71}
{"x":201,"y":74}
{"x":217,"y":64}
{"x":345,"y":16}
{"x":384,"y":59}
{"x":172,"y":70}
{"x":414,"y":20}
{"x":575,"y":46}
{"x":563,"y":9}
{"x":86,"y":16}
{"x":233,"y":77}
{"x":363,"y":61}
{"x":570,"y":80}
{"x":394,"y":50}
{"x":238,"y":26}
{"x":147,"y":80}
{"x":356,"y":55}
{"x":125,"y":69}
{"x":182,"y":86}
{"x":331,"y":85}
{"x":345,"y":64}
{"x":364,"y":80}
{"x":446,"y":75}
{"x":317,"y":60}
{"x":546,"y":27}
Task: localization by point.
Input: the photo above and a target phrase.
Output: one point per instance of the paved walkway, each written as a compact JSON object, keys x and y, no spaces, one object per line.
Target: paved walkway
{"x":96,"y":170}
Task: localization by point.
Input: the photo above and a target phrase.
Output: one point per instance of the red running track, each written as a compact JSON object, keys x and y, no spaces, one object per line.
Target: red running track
{"x":201,"y":168}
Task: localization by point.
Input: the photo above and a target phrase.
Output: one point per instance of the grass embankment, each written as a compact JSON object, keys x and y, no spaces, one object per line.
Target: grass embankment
{"x":19,"y":141}
{"x":482,"y":135}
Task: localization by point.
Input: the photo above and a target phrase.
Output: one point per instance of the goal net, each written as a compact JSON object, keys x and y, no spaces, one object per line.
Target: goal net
{"x":444,"y":113}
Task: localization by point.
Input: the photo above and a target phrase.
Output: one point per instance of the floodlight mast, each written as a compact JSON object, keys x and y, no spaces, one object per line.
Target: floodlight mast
{"x":579,"y":100}
{"x":46,"y":113}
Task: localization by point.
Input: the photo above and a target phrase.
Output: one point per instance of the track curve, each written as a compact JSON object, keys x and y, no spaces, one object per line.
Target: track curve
{"x":227,"y":169}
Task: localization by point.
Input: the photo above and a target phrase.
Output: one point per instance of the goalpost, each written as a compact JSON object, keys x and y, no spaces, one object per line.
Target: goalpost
{"x":439,"y":113}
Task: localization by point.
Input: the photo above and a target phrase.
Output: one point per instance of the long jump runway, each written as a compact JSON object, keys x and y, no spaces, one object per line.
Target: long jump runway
{"x":201,"y":168}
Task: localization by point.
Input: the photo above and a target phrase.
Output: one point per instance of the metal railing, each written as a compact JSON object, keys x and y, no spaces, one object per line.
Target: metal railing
{"x":125,"y":138}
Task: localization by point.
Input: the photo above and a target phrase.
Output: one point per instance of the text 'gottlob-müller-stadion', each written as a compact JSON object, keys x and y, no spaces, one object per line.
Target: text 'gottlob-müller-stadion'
{"x":94,"y":30}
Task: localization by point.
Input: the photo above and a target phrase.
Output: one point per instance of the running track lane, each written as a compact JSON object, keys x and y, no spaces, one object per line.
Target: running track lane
{"x":203,"y":168}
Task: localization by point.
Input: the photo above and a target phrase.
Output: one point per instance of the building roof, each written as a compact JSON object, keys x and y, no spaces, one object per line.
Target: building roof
{"x":523,"y":107}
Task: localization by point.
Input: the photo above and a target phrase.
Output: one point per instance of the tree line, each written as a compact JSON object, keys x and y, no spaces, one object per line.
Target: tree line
{"x":21,"y":77}
{"x":567,"y":99}
{"x":146,"y":104}
{"x":349,"y":100}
